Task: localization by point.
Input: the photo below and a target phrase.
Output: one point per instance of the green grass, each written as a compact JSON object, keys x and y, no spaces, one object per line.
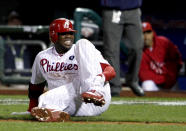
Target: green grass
{"x":141,"y":113}
{"x":38,"y":126}
{"x":148,"y":99}
{"x":13,"y":97}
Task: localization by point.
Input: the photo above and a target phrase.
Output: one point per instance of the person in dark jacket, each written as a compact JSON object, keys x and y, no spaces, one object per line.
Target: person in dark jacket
{"x":122,"y":20}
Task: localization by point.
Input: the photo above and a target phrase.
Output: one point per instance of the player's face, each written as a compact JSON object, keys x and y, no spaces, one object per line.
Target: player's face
{"x":65,"y":41}
{"x":148,"y":38}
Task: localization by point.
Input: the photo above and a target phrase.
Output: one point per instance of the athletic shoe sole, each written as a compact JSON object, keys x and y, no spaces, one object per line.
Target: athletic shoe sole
{"x":49,"y":115}
{"x":89,"y":98}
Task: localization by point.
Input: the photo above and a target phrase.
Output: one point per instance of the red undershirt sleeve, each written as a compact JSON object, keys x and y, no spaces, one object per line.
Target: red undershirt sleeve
{"x":108,"y":71}
{"x":34,"y":91}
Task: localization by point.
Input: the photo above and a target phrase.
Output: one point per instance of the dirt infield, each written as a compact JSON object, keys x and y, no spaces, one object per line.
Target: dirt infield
{"x":168,"y":94}
{"x":124,"y":93}
{"x":106,"y":122}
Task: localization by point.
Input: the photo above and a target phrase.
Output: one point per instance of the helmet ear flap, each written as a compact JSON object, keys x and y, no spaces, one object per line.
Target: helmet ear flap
{"x":53,"y":36}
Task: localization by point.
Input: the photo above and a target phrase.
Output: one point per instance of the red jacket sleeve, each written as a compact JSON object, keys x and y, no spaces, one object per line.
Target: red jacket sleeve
{"x":145,"y":72}
{"x":173,"y":64}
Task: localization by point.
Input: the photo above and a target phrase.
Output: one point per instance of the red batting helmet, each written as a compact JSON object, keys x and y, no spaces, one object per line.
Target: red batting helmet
{"x":59,"y":25}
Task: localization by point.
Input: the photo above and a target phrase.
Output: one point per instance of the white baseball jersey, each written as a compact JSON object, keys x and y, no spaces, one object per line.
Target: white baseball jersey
{"x":68,"y":76}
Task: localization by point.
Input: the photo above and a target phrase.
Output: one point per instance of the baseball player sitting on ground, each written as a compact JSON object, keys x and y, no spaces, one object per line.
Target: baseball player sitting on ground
{"x":161,"y":61}
{"x":76,"y":74}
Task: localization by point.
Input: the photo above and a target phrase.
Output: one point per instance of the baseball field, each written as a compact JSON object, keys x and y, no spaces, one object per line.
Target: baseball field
{"x":124,"y":114}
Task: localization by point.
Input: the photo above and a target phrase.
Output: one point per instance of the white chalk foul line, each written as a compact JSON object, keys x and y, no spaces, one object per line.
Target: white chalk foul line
{"x":13,"y":101}
{"x":165,"y":103}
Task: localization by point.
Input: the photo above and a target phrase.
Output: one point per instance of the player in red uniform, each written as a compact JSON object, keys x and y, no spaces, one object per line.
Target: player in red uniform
{"x":161,"y":61}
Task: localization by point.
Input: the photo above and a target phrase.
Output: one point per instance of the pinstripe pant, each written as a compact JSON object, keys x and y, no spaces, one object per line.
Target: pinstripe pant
{"x":68,"y":98}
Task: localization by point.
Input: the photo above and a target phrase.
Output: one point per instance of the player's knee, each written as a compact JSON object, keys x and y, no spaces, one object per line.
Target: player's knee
{"x":83,"y":43}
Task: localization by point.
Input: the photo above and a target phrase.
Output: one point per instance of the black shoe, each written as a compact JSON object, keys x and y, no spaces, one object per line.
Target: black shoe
{"x":137,"y":89}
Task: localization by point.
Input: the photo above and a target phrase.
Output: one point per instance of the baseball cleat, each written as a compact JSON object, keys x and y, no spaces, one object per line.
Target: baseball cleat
{"x":49,"y":115}
{"x":94,"y":97}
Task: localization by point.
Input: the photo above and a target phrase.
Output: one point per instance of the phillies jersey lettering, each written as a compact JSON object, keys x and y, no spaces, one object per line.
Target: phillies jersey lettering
{"x":73,"y":66}
{"x":58,"y":66}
